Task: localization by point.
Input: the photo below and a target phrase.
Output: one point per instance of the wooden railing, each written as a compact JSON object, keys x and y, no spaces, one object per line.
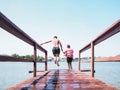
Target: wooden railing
{"x":112,"y":30}
{"x":10,"y":27}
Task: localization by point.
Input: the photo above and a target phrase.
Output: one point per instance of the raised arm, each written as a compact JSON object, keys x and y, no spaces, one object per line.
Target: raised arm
{"x":46,"y":42}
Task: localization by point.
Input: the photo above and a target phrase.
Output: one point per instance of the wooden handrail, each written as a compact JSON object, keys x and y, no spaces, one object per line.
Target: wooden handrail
{"x":112,"y":30}
{"x":10,"y":27}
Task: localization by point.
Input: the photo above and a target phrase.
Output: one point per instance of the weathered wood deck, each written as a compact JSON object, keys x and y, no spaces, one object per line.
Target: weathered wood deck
{"x":62,"y":80}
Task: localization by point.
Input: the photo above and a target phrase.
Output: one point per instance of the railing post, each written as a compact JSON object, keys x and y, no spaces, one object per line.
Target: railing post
{"x":92,"y":59}
{"x":79,"y":61}
{"x":34,"y":62}
{"x":46,"y":61}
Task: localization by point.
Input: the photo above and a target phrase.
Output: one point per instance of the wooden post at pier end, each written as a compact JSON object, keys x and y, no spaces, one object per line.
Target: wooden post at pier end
{"x":79,"y":61}
{"x":34,"y":62}
{"x":46,"y":61}
{"x":92,"y":59}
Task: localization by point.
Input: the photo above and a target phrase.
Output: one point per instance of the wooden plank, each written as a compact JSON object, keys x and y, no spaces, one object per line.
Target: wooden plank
{"x":63,"y":80}
{"x":85,"y":70}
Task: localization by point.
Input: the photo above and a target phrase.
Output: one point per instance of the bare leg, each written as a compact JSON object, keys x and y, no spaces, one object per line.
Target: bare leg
{"x":70,"y":66}
{"x":58,"y":59}
{"x":55,"y":59}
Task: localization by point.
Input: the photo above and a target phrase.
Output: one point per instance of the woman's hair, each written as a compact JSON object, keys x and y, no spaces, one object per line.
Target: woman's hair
{"x":68,"y":46}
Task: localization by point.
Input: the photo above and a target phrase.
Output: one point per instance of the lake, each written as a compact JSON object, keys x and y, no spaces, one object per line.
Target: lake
{"x":12,"y":73}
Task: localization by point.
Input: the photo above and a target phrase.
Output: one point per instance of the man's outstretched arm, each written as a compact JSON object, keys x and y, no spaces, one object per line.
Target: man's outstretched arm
{"x":46,"y":42}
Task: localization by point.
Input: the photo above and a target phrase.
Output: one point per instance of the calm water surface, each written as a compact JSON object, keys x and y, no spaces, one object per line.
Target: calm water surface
{"x":12,"y":73}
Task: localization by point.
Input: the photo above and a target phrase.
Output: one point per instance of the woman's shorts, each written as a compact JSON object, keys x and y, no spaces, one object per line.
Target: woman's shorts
{"x":69,"y":60}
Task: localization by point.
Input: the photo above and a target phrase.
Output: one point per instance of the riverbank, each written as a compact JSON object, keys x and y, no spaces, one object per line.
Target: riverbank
{"x":105,"y":59}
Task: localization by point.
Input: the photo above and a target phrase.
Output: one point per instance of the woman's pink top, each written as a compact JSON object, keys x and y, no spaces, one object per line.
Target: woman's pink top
{"x":69,"y":53}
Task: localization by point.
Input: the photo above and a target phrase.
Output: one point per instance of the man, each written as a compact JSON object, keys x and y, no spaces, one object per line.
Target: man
{"x":56,"y":48}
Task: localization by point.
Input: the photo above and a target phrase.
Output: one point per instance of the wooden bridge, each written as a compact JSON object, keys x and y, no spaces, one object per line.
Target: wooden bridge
{"x":58,"y":79}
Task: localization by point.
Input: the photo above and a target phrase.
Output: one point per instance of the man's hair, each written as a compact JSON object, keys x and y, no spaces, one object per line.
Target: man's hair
{"x":55,"y":36}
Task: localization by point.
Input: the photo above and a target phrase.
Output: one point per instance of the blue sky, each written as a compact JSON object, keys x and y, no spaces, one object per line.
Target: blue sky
{"x":75,"y":22}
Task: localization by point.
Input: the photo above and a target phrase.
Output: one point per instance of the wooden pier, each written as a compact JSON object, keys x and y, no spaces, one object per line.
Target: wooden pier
{"x":58,"y":79}
{"x":62,"y":80}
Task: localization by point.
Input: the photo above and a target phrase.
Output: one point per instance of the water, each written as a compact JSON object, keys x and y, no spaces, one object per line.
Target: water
{"x":12,"y":73}
{"x":108,"y":72}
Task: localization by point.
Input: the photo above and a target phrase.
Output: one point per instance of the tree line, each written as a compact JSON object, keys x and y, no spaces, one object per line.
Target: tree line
{"x":31,"y":57}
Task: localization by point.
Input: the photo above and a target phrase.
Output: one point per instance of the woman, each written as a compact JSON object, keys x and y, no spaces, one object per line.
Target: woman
{"x":69,"y":54}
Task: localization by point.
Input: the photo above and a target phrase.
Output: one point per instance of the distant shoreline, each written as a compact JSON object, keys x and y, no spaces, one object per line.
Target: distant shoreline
{"x":99,"y":59}
{"x":105,"y":59}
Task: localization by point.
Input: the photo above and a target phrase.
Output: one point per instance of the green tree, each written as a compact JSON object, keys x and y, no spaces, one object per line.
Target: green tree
{"x":15,"y":55}
{"x":40,"y":58}
{"x":29,"y":57}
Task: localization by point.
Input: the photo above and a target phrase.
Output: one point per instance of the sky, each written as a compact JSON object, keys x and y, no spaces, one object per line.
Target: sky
{"x":75,"y":22}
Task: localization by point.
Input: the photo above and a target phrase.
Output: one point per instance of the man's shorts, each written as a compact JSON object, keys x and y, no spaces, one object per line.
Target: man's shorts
{"x":56,"y":50}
